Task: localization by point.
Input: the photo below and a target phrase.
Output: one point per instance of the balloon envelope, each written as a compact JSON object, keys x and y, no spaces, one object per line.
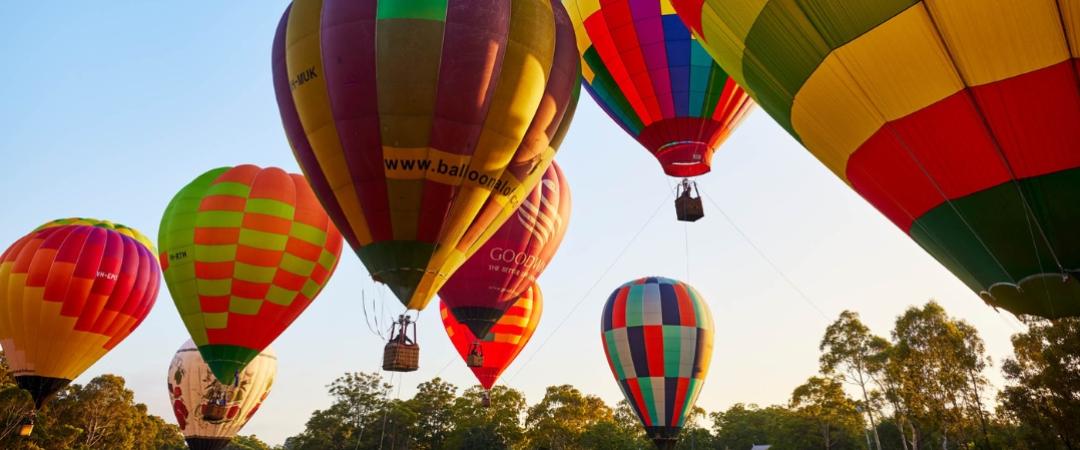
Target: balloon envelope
{"x":957,"y":120}
{"x":192,"y":385}
{"x":508,"y":263}
{"x":648,"y":73}
{"x":245,"y":251}
{"x":423,"y":124}
{"x":504,"y":341}
{"x":70,"y":291}
{"x":657,"y":335}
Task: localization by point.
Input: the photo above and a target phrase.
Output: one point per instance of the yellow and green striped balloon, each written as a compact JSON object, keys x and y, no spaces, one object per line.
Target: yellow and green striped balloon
{"x":244,"y":251}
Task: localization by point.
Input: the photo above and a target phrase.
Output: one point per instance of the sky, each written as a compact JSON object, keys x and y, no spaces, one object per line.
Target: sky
{"x":108,"y":108}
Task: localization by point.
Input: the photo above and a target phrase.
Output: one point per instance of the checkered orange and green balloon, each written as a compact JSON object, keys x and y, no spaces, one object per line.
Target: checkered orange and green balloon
{"x":244,"y":250}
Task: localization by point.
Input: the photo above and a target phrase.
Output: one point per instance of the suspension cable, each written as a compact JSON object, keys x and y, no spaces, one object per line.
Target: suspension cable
{"x":596,"y":283}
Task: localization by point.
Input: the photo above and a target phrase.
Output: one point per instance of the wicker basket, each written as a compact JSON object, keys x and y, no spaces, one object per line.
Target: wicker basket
{"x":401,"y":357}
{"x":214,"y":412}
{"x":689,"y":209}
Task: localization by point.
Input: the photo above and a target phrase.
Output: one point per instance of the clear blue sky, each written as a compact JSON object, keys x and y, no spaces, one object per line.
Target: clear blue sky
{"x":108,"y":108}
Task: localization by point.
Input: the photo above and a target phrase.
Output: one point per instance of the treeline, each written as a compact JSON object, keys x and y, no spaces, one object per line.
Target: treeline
{"x":922,"y":387}
{"x":102,"y":414}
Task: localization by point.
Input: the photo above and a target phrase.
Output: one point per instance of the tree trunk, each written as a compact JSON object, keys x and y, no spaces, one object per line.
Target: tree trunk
{"x":914,"y":436}
{"x":978,"y":408}
{"x":869,"y":411}
{"x":900,"y":427}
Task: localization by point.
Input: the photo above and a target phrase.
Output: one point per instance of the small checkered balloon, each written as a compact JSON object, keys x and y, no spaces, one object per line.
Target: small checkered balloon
{"x":244,"y":251}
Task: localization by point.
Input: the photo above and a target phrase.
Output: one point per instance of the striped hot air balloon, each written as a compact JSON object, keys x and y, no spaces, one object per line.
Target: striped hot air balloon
{"x":958,"y":120}
{"x":508,"y":263}
{"x":657,"y":335}
{"x":422,"y":124}
{"x":504,"y":341}
{"x":648,"y":73}
{"x":245,"y":251}
{"x":70,"y":291}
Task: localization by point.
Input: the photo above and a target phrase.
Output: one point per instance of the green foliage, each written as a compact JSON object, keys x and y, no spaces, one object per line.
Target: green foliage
{"x":1042,"y":400}
{"x":249,"y":442}
{"x":102,"y":414}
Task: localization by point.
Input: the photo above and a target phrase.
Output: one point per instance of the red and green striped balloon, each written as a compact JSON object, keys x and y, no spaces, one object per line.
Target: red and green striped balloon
{"x":244,"y":250}
{"x":958,"y":120}
{"x":658,"y":335}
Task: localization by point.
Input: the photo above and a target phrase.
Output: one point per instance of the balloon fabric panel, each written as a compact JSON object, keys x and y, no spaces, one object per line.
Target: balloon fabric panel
{"x":643,"y":67}
{"x":422,"y":124}
{"x":504,"y":341}
{"x":957,"y":120}
{"x":70,"y":291}
{"x":657,"y":335}
{"x":511,"y":260}
{"x":245,"y":251}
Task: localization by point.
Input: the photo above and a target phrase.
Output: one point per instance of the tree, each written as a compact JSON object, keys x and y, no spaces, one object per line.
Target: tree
{"x":1043,"y":398}
{"x":823,"y":402}
{"x":434,"y":408}
{"x":934,"y":371}
{"x":249,"y":442}
{"x":848,"y":352}
{"x":495,"y":426}
{"x":353,"y":420}
{"x":564,"y":414}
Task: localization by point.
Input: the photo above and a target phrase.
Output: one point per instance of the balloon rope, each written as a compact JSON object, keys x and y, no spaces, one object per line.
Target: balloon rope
{"x":596,"y":283}
{"x":765,"y":257}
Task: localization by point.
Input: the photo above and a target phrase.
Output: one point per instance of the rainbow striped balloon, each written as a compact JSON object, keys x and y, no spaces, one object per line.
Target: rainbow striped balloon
{"x":245,"y":250}
{"x":640,"y":63}
{"x":658,"y":335}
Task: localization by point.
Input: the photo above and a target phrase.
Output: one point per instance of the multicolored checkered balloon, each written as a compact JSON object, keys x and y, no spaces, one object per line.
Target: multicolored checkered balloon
{"x":658,"y":335}
{"x":244,"y":250}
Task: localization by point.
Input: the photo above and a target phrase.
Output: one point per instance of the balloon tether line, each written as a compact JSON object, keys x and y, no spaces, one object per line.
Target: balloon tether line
{"x":765,"y":257}
{"x":591,"y":288}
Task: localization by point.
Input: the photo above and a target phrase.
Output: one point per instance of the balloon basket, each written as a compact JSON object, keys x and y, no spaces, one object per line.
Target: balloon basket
{"x":401,"y":354}
{"x":688,"y":207}
{"x":401,"y":357}
{"x":476,"y":356}
{"x":214,"y":412}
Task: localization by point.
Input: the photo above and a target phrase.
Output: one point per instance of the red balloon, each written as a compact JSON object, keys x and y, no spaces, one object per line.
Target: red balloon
{"x":492,"y":279}
{"x":505,"y":340}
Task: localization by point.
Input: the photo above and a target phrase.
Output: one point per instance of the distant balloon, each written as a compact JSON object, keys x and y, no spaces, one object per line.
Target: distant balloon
{"x":493,"y":278}
{"x":70,"y":291}
{"x":658,"y":335}
{"x":209,"y":413}
{"x":245,"y":251}
{"x":652,"y":77}
{"x":423,"y":124}
{"x":502,"y":344}
{"x":958,"y":120}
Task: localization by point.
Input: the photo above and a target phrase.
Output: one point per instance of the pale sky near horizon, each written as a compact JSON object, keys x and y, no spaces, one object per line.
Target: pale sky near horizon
{"x":108,"y":108}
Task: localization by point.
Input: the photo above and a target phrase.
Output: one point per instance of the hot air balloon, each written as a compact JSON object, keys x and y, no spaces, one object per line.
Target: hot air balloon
{"x":70,"y":291}
{"x":508,"y":263}
{"x":503,"y":342}
{"x":643,"y":67}
{"x":209,"y":413}
{"x":422,"y":125}
{"x":957,"y":120}
{"x":657,"y":335}
{"x":245,"y":251}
